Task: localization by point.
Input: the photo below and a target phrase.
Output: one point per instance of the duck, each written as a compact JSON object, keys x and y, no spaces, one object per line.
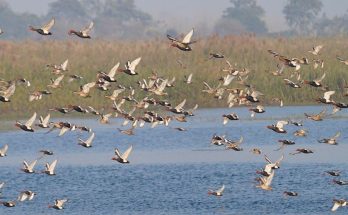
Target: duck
{"x":218,"y":140}
{"x":292,"y":84}
{"x":129,"y":132}
{"x":316,"y":117}
{"x":26,"y":195}
{"x":5,"y":97}
{"x":331,"y":140}
{"x":84,"y":33}
{"x":296,"y":123}
{"x":49,"y":168}
{"x":78,"y":108}
{"x":59,"y":69}
{"x":334,"y":173}
{"x":227,"y":117}
{"x":326,"y":98}
{"x":63,"y":110}
{"x":27,"y":125}
{"x":104,"y":118}
{"x":88,"y":142}
{"x":44,"y":30}
{"x":290,"y":193}
{"x":216,"y":55}
{"x":110,"y":77}
{"x":218,"y":192}
{"x":279,"y":127}
{"x":316,"y":82}
{"x":8,"y":204}
{"x":85,"y":89}
{"x":234,"y":145}
{"x":284,"y":143}
{"x":256,"y":151}
{"x":302,"y":150}
{"x":340,"y":182}
{"x":257,"y":109}
{"x":338,"y":203}
{"x":3,"y":151}
{"x":183,"y":45}
{"x":55,"y":83}
{"x":345,"y":62}
{"x":44,"y":122}
{"x":253,"y":96}
{"x":270,"y":166}
{"x":58,"y":204}
{"x":316,"y":49}
{"x":46,"y":152}
{"x":29,"y":168}
{"x":124,"y":157}
{"x":265,"y":182}
{"x":114,"y":94}
{"x":37,"y":95}
{"x":178,"y":109}
{"x":130,"y":67}
{"x":74,"y":77}
{"x":188,"y":79}
{"x":300,"y":133}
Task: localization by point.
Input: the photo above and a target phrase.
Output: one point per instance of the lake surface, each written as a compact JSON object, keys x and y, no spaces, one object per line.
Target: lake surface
{"x":171,"y":171}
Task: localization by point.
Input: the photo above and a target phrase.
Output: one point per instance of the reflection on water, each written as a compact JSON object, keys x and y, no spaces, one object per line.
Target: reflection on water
{"x":171,"y":171}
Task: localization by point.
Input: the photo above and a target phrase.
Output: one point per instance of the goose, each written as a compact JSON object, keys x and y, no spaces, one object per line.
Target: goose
{"x":58,"y":204}
{"x":326,"y":98}
{"x":9,"y":204}
{"x":44,"y":30}
{"x":334,"y":172}
{"x":316,"y":49}
{"x":49,"y":168}
{"x":265,"y":182}
{"x":218,"y":192}
{"x":55,"y":83}
{"x":257,"y":109}
{"x":183,"y":45}
{"x":59,"y":69}
{"x":227,"y":117}
{"x":316,"y":117}
{"x":88,"y":142}
{"x":302,"y":150}
{"x":5,"y":97}
{"x":188,"y":79}
{"x":291,"y":83}
{"x":27,"y":125}
{"x":340,"y":182}
{"x":44,"y":122}
{"x":130,"y":67}
{"x":3,"y":151}
{"x":331,"y":140}
{"x":84,"y":33}
{"x":124,"y":157}
{"x":110,"y":77}
{"x":279,"y":127}
{"x":26,"y":195}
{"x":338,"y":203}
{"x":29,"y":168}
{"x":290,"y":193}
{"x":234,"y":145}
{"x":84,"y":89}
{"x":316,"y":82}
{"x":284,"y":143}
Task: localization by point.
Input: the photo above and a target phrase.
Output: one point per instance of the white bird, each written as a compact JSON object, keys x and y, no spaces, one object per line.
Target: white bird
{"x":26,"y":195}
{"x":49,"y":168}
{"x":124,"y":157}
{"x":44,"y":122}
{"x":29,"y":168}
{"x":218,"y":192}
{"x":88,"y":142}
{"x":58,"y":69}
{"x":338,"y":203}
{"x":265,"y":182}
{"x":56,"y":83}
{"x":110,"y":77}
{"x":3,"y":151}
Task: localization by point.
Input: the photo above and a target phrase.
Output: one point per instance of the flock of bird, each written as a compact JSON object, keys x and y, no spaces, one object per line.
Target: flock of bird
{"x":155,"y":88}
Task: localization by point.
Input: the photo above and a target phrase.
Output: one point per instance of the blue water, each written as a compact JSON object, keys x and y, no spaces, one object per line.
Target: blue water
{"x":171,"y":171}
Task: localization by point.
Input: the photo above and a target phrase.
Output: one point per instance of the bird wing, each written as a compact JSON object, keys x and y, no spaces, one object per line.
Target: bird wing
{"x":267,"y":159}
{"x":117,"y":152}
{"x":335,"y":206}
{"x":90,"y":139}
{"x":181,"y":105}
{"x":162,"y":86}
{"x":32,"y":165}
{"x":58,"y":80}
{"x":26,"y":165}
{"x":288,"y":81}
{"x":63,"y":130}
{"x":189,"y":78}
{"x":49,"y":25}
{"x":221,"y":189}
{"x":171,"y":38}
{"x":45,"y":121}
{"x":317,"y":48}
{"x":134,"y":64}
{"x":52,"y":166}
{"x":328,"y":94}
{"x":31,"y":120}
{"x":269,"y":179}
{"x":127,"y":152}
{"x":320,"y":79}
{"x":113,"y":70}
{"x":87,"y":87}
{"x":240,"y":140}
{"x":207,"y":85}
{"x":229,"y":78}
{"x":187,"y":38}
{"x":60,"y":202}
{"x":87,"y":29}
{"x":279,"y":160}
{"x":10,"y":90}
{"x":337,"y":135}
{"x":22,"y":196}
{"x":280,"y":124}
{"x":117,"y":92}
{"x":64,"y":65}
{"x":256,"y":94}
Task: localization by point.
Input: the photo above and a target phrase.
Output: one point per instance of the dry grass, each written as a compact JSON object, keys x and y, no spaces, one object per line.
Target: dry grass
{"x":28,"y":59}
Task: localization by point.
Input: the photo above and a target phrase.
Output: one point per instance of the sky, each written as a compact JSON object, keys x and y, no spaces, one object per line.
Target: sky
{"x":185,"y":14}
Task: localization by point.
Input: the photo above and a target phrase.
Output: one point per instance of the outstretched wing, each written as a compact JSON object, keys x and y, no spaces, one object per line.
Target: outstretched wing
{"x":181,"y":105}
{"x":87,"y":29}
{"x":49,"y":25}
{"x":134,"y":64}
{"x":127,"y":152}
{"x":52,"y":166}
{"x":10,"y":91}
{"x":187,"y":38}
{"x":31,"y":120}
{"x":113,"y":70}
{"x":64,"y":65}
{"x":221,"y":189}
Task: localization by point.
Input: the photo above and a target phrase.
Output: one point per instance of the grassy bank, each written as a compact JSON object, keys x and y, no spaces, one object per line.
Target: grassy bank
{"x":28,"y":59}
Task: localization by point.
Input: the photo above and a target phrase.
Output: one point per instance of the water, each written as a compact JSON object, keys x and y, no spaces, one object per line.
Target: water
{"x":171,"y":171}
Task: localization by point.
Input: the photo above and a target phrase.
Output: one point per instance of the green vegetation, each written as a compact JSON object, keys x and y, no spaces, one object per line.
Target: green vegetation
{"x":28,"y":59}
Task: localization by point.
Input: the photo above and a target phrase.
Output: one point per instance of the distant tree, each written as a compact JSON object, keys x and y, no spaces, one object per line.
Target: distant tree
{"x":247,"y":13}
{"x":301,"y":15}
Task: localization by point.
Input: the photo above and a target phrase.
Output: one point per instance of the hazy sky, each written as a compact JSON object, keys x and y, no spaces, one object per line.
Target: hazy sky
{"x":184,"y":14}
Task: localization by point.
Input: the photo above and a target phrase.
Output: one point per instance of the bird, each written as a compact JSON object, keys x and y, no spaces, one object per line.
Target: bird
{"x":256,"y":151}
{"x":3,"y":151}
{"x":265,"y":182}
{"x":29,"y":168}
{"x":270,"y":166}
{"x":326,"y":99}
{"x":218,"y":192}
{"x":316,"y":82}
{"x":27,"y":125}
{"x":129,"y":132}
{"x":130,"y":67}
{"x":88,"y":142}
{"x":110,"y":77}
{"x":300,"y":133}
{"x":188,"y":79}
{"x":84,"y":33}
{"x":44,"y":122}
{"x":183,"y":45}
{"x":284,"y":143}
{"x":9,"y":204}
{"x":59,"y":69}
{"x":290,"y":193}
{"x":55,"y":83}
{"x":58,"y":204}
{"x":26,"y":195}
{"x":1,"y":31}
{"x":334,"y":172}
{"x":216,"y":55}
{"x":279,"y":127}
{"x":85,"y":89}
{"x":178,"y":109}
{"x":331,"y":140}
{"x":257,"y":109}
{"x":302,"y":150}
{"x":340,"y":182}
{"x":227,"y":117}
{"x":46,"y":152}
{"x":234,"y":145}
{"x":316,"y":117}
{"x":292,"y":84}
{"x":316,"y":49}
{"x":37,"y":95}
{"x":342,"y":60}
{"x":5,"y":95}
{"x":115,"y":94}
{"x":49,"y":168}
{"x":338,"y":203}
{"x":124,"y":157}
{"x":44,"y":30}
